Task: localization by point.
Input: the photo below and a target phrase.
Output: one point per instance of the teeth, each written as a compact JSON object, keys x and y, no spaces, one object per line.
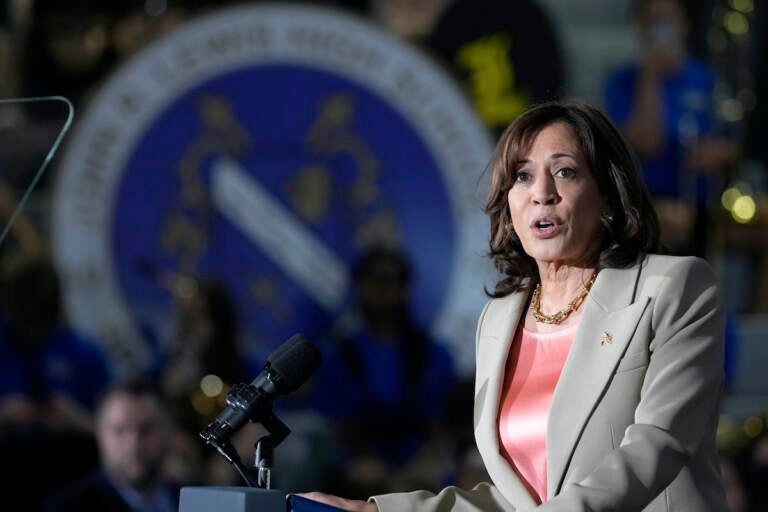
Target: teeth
{"x":543,"y":224}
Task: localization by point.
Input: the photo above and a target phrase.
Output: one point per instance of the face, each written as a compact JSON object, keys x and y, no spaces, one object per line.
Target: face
{"x":663,"y":25}
{"x":554,"y":201}
{"x":381,"y":290}
{"x":132,"y":436}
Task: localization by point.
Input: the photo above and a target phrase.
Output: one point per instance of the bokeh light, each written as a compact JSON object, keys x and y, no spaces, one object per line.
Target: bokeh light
{"x":745,"y":6}
{"x":732,"y":110}
{"x":744,"y":209}
{"x":211,"y":385}
{"x":736,"y":23}
{"x":729,"y":196}
{"x":753,"y":426}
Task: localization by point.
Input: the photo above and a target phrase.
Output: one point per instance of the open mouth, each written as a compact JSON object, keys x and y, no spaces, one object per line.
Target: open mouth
{"x":545,"y":227}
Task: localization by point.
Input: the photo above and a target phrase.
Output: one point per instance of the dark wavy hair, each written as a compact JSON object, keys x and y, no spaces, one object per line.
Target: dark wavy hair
{"x":629,"y":222}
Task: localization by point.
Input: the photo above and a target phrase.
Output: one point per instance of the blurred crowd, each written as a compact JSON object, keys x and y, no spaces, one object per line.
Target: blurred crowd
{"x":388,"y":410}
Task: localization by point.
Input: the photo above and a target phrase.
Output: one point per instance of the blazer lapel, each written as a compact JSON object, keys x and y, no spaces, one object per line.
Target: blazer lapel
{"x":606,"y":327}
{"x":492,"y":360}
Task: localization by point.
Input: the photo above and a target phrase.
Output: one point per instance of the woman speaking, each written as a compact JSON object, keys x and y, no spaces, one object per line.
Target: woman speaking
{"x":599,"y":363}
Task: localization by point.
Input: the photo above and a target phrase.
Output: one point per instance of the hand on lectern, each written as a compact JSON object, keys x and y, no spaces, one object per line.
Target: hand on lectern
{"x":342,"y":503}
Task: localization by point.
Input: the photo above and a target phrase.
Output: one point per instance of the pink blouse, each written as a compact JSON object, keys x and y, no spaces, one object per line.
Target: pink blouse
{"x":533,"y":368}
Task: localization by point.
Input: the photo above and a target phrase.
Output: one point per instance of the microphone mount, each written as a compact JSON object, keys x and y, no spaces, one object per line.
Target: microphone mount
{"x":246,"y":399}
{"x":285,"y":370}
{"x":248,"y":402}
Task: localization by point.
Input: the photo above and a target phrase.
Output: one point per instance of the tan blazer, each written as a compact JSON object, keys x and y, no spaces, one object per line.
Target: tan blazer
{"x":633,"y":419}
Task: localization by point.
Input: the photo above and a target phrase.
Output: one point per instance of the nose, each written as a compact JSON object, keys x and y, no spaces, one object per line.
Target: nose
{"x":132,"y":441}
{"x":544,"y":191}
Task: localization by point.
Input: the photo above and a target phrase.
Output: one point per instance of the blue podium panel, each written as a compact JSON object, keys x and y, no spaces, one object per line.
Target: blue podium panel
{"x":231,"y":499}
{"x":246,"y":499}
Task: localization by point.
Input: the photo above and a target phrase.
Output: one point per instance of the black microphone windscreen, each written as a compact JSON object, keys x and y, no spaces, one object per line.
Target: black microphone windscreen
{"x":294,"y":361}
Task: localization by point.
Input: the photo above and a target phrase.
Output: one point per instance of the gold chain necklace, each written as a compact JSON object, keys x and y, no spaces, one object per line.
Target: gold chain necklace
{"x":563,"y":313}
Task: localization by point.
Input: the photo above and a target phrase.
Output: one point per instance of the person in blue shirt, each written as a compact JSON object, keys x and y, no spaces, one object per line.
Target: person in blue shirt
{"x":664,"y":103}
{"x":383,"y":379}
{"x":50,"y":374}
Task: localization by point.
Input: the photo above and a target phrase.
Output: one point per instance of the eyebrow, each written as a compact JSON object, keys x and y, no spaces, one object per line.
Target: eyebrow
{"x":553,"y":157}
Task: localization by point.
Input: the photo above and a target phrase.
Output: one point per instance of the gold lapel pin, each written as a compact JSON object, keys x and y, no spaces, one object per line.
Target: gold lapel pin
{"x":606,"y":338}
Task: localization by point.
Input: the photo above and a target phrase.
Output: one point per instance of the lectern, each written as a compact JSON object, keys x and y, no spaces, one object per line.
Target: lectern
{"x":245,"y":499}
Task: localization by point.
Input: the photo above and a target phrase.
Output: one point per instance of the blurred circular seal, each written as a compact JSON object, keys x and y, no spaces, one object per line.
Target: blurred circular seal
{"x":269,"y":145}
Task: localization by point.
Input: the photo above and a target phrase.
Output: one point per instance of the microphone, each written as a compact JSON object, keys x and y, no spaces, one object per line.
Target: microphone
{"x":286,"y":370}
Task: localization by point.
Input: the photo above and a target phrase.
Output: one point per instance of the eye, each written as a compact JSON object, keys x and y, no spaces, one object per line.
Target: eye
{"x":565,"y":172}
{"x":522,"y":176}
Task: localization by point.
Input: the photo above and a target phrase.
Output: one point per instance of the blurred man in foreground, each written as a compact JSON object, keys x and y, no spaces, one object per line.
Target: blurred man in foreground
{"x":133,"y":430}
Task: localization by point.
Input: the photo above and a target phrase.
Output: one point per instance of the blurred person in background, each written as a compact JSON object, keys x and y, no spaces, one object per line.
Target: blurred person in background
{"x":49,"y":373}
{"x":411,"y":20}
{"x":133,"y":429}
{"x":486,"y":45}
{"x":756,"y":164}
{"x":50,"y":376}
{"x":204,"y":354}
{"x":664,"y":103}
{"x":384,"y":378}
{"x":205,"y":341}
